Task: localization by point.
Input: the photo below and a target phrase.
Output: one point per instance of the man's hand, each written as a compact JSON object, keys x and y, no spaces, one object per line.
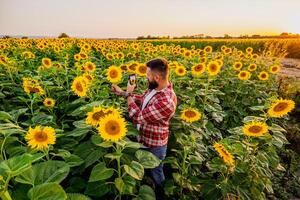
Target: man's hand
{"x":130,"y":88}
{"x":117,"y":90}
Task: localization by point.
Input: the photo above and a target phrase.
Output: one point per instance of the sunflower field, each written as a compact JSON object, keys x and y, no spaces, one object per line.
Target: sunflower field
{"x":65,"y":135}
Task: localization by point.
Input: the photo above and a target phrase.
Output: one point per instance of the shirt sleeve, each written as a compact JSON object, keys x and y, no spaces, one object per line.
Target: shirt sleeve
{"x":138,"y":97}
{"x":162,"y":108}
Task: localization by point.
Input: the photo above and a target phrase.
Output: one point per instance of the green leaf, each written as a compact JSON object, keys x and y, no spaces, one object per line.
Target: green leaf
{"x":74,"y":160}
{"x":77,"y":196}
{"x":113,"y":156}
{"x":100,"y":172}
{"x":106,"y":144}
{"x":96,"y":139}
{"x":252,"y":118}
{"x":18,"y":164}
{"x":276,"y":127}
{"x":255,"y":108}
{"x":42,"y":119}
{"x":119,"y":183}
{"x":133,"y":145}
{"x":97,"y":189}
{"x":47,"y":191}
{"x":5,"y":116}
{"x":278,"y":139}
{"x":77,"y":132}
{"x":129,"y":185}
{"x":81,"y":124}
{"x":135,"y":169}
{"x":147,"y":159}
{"x":82,"y":110}
{"x":16,"y":113}
{"x":145,"y":193}
{"x":45,"y":172}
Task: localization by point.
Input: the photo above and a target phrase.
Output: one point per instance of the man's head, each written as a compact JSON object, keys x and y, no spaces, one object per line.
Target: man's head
{"x":157,"y":72}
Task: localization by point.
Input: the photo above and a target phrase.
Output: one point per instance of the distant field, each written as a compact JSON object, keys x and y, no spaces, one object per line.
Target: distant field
{"x":292,"y":45}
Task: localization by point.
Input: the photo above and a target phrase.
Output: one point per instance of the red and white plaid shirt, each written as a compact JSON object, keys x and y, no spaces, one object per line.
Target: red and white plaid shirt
{"x":155,"y":117}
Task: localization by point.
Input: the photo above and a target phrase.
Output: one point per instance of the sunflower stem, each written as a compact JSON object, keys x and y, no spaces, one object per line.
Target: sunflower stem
{"x":205,"y":98}
{"x":118,"y":150}
{"x":3,"y":155}
{"x":4,"y":193}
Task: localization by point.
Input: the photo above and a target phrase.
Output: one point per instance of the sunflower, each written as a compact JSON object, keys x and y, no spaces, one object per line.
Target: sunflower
{"x":112,"y":127}
{"x":281,"y":107}
{"x":213,"y":68}
{"x":227,"y":51}
{"x":263,"y":76}
{"x":89,"y":66}
{"x":255,"y":129}
{"x":198,"y":69}
{"x":244,"y":75}
{"x":203,"y":60}
{"x":269,"y":53}
{"x":79,"y":86}
{"x":249,"y":50}
{"x":237,"y":66}
{"x":120,"y":55}
{"x":49,"y":102}
{"x":31,"y":85}
{"x":56,"y":49}
{"x":114,"y":74}
{"x":202,"y":53}
{"x":109,"y":56}
{"x":94,"y":117}
{"x":123,"y":67}
{"x":190,"y":115}
{"x":114,"y":111}
{"x":220,"y":62}
{"x":254,"y":56}
{"x":141,"y":70}
{"x":27,"y":55}
{"x":224,"y":154}
{"x":34,"y":89}
{"x":132,"y":67}
{"x":88,"y":77}
{"x":208,"y":49}
{"x":180,"y":70}
{"x":83,"y":55}
{"x":275,"y":69}
{"x":187,"y":54}
{"x":173,"y":65}
{"x":40,"y":137}
{"x":47,"y":62}
{"x":252,"y":67}
{"x":77,"y":57}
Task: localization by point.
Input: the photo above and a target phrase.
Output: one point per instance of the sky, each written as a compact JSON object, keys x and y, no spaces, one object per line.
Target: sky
{"x":132,"y":18}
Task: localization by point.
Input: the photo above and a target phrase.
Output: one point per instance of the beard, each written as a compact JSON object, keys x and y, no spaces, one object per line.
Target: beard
{"x":152,"y":84}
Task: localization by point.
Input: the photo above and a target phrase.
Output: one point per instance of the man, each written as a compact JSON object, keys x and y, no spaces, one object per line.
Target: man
{"x":152,"y":117}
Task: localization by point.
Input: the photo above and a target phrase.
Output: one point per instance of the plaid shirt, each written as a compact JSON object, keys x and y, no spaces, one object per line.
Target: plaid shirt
{"x":155,"y":118}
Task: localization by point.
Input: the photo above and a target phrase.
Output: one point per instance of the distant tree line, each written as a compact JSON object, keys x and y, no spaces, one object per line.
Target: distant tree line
{"x":226,"y":36}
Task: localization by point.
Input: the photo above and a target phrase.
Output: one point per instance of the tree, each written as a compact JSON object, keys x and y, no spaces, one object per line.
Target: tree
{"x":63,"y":35}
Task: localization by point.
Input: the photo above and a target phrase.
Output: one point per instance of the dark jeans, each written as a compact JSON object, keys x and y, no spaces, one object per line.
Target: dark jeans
{"x":157,"y":173}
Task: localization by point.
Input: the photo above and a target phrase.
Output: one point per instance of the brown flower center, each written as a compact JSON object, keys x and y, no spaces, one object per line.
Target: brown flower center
{"x":190,"y":114}
{"x":79,"y":87}
{"x":255,"y":129}
{"x":40,"y":136}
{"x":198,"y":68}
{"x":98,"y":115}
{"x":213,"y":67}
{"x":113,"y":73}
{"x":112,"y":127}
{"x":280,"y":107}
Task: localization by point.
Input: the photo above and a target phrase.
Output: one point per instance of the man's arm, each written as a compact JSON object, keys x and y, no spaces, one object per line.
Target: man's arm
{"x":159,"y":110}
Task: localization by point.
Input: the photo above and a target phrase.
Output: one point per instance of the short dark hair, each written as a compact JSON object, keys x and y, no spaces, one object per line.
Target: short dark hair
{"x":159,"y":65}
